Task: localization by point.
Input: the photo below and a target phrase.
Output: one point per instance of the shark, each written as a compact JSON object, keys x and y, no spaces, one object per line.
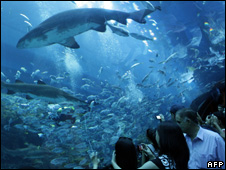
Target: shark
{"x":119,"y":31}
{"x":140,"y":37}
{"x":148,"y":5}
{"x":42,"y":91}
{"x":62,"y":27}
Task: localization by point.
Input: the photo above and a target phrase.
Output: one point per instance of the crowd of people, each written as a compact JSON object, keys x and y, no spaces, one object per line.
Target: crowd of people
{"x":184,"y":142}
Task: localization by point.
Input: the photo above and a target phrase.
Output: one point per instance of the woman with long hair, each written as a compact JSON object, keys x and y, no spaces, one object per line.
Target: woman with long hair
{"x":173,"y":149}
{"x":126,"y":156}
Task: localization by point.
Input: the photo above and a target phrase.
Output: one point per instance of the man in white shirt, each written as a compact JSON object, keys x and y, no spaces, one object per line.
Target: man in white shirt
{"x":204,"y":145}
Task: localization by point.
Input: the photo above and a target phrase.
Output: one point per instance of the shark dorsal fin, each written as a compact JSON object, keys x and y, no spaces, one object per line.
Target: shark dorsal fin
{"x":40,"y":82}
{"x":18,"y":81}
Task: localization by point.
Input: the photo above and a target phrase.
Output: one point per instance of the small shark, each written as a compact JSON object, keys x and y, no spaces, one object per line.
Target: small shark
{"x":62,"y":27}
{"x":140,"y":37}
{"x":148,"y":5}
{"x":42,"y":91}
{"x":119,"y":31}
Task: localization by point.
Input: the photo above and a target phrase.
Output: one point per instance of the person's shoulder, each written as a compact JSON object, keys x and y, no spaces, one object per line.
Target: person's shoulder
{"x":152,"y":164}
{"x":208,"y":127}
{"x":210,"y":134}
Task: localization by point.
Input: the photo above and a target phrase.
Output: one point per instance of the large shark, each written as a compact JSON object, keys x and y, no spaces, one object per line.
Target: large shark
{"x":61,"y":28}
{"x":42,"y":91}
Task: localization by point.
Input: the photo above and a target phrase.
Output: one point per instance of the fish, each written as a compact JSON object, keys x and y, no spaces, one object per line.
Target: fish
{"x":119,"y":31}
{"x":140,"y":37}
{"x":44,"y":72}
{"x":93,"y":127}
{"x":91,"y":105}
{"x":42,"y":91}
{"x":85,"y":87}
{"x":59,"y":161}
{"x":170,"y":84}
{"x":35,"y":73}
{"x":148,"y":5}
{"x":169,"y":58}
{"x":146,"y":77}
{"x":17,"y":76}
{"x":28,"y":23}
{"x":24,"y":16}
{"x":151,"y":60}
{"x":23,"y":69}
{"x":135,"y":65}
{"x":169,"y":80}
{"x":62,"y":27}
{"x":3,"y":75}
{"x":162,"y":72}
{"x":100,"y":70}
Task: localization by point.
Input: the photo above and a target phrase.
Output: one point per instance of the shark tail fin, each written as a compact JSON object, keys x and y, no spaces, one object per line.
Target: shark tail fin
{"x":139,"y":16}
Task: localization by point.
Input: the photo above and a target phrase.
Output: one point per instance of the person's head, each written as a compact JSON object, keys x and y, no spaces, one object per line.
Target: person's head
{"x":187,"y":119}
{"x":174,"y":109}
{"x":218,"y":94}
{"x":171,"y":141}
{"x":221,"y":118}
{"x":126,"y":156}
{"x":151,"y":133}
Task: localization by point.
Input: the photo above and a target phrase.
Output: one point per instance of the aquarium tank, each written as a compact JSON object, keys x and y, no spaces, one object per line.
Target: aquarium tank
{"x":78,"y":75}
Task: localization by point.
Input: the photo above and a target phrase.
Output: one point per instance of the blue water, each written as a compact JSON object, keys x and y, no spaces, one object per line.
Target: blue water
{"x":185,"y":59}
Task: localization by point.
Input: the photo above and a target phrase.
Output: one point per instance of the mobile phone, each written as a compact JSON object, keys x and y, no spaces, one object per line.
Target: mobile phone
{"x":158,"y":117}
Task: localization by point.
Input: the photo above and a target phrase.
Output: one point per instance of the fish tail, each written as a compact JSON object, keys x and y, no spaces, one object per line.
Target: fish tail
{"x":138,"y":16}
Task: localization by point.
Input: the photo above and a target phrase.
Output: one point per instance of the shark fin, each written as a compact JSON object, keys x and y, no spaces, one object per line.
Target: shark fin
{"x":41,"y":82}
{"x":101,"y":28}
{"x":139,"y":16}
{"x":70,"y":42}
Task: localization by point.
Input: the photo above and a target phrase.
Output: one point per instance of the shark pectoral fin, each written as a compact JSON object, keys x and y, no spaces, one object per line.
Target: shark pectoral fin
{"x":101,"y":28}
{"x":69,"y":42}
